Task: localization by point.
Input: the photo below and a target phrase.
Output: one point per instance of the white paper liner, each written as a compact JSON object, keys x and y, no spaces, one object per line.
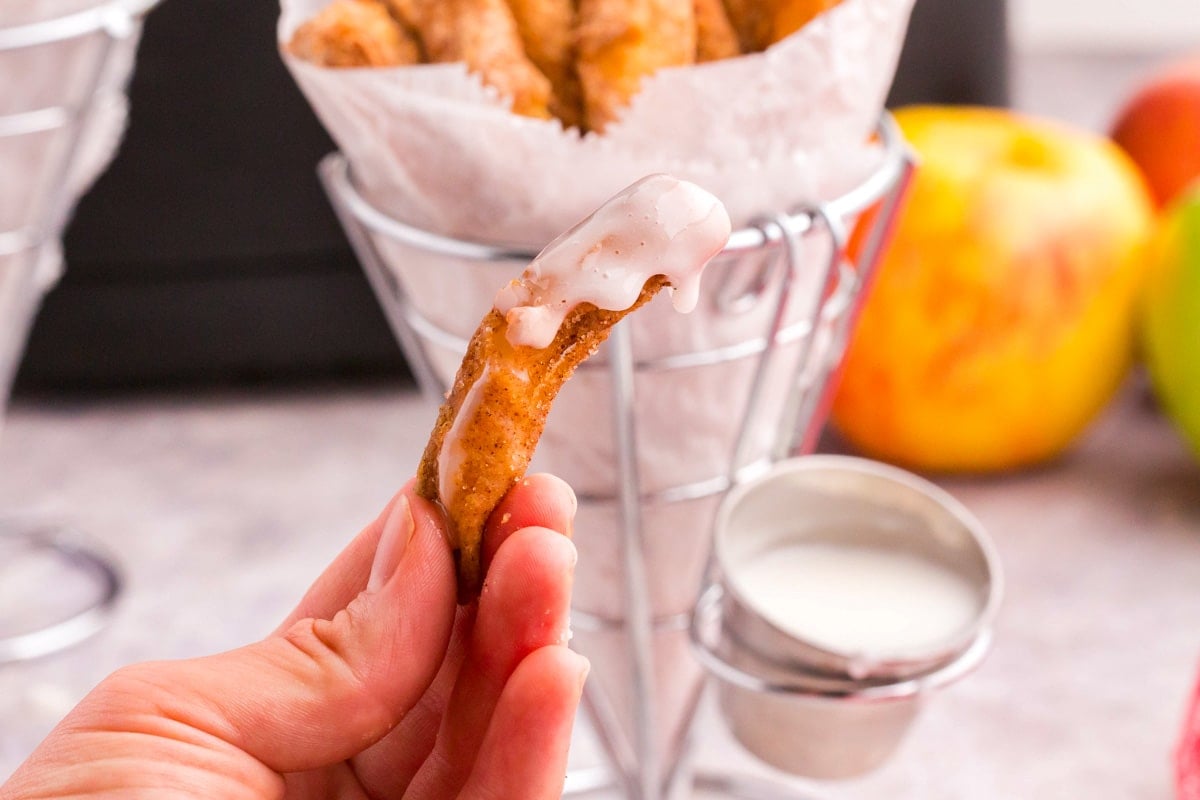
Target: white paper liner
{"x":57,"y":75}
{"x":434,"y":148}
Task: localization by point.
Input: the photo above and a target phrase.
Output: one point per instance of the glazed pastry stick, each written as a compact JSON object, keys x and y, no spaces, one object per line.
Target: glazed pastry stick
{"x":621,"y":42}
{"x":792,"y":15}
{"x":354,"y":33}
{"x":761,"y":23}
{"x":715,"y":36}
{"x":483,"y":34}
{"x":658,"y":233}
{"x":547,"y":28}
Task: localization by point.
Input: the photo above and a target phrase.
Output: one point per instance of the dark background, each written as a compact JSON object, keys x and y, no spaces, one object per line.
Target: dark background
{"x":207,"y":253}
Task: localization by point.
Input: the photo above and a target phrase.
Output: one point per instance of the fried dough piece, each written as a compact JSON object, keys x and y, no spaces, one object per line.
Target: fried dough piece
{"x":752,"y":21}
{"x":483,"y":34}
{"x":623,"y":41}
{"x":792,"y":15}
{"x":354,"y":33}
{"x":761,"y":23}
{"x":496,"y":411}
{"x":715,"y":36}
{"x":659,"y":232}
{"x":547,"y":29}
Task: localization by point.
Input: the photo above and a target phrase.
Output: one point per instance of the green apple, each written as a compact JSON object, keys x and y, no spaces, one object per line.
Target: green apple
{"x":1171,"y":318}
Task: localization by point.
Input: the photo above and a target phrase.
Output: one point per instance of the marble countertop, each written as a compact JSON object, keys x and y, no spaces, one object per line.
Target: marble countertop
{"x":222,"y":508}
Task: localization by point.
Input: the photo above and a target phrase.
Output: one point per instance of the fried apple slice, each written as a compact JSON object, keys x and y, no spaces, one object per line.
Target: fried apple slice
{"x":482,"y":34}
{"x":752,"y":21}
{"x":621,"y":42}
{"x":792,"y":15}
{"x":761,"y":23}
{"x":715,"y":36}
{"x":354,"y":33}
{"x":658,"y":233}
{"x":547,"y":29}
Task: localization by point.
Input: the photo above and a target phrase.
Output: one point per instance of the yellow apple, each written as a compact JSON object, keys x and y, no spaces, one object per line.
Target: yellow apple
{"x":1000,"y":321}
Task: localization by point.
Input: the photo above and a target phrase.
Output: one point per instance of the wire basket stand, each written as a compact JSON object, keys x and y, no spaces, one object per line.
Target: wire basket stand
{"x":25,"y":253}
{"x":638,"y":768}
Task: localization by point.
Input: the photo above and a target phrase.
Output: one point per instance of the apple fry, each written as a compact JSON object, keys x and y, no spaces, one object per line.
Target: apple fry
{"x":354,"y":33}
{"x":483,"y":34}
{"x":752,"y":21}
{"x":792,"y":15}
{"x":761,"y":23}
{"x":715,"y":36}
{"x":621,"y":42}
{"x":547,"y":28}
{"x":659,"y":232}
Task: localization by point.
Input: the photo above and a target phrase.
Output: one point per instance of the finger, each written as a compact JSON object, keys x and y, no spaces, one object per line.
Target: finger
{"x":347,"y":575}
{"x":524,"y":607}
{"x":524,"y":753}
{"x":325,"y":689}
{"x":538,"y":501}
{"x":387,"y":768}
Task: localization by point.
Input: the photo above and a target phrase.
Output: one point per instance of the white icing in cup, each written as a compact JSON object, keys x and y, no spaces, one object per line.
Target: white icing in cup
{"x":856,"y":599}
{"x":854,"y":569}
{"x":847,"y":592}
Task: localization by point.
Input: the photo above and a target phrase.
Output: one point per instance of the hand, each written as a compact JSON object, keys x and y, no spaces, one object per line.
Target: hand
{"x":377,"y":686}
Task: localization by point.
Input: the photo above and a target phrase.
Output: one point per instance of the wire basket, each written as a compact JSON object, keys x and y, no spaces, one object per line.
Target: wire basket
{"x":60,"y":115}
{"x":748,"y":383}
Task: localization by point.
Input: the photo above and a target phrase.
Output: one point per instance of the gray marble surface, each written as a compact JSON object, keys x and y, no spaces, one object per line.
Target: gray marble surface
{"x":222,"y":508}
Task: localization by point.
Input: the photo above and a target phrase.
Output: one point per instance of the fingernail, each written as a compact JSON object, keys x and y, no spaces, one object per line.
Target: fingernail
{"x":571,"y":494}
{"x":566,"y":487}
{"x":584,"y":670}
{"x":397,"y":531}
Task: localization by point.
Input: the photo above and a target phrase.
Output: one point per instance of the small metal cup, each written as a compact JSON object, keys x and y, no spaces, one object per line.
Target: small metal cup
{"x":805,"y":707}
{"x":809,"y":724}
{"x":851,"y":501}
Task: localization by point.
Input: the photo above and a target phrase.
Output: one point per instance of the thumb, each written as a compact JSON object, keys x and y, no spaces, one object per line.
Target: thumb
{"x":322,"y":690}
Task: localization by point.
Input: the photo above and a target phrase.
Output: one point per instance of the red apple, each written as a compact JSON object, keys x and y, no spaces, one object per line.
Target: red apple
{"x":1160,"y":129}
{"x":1187,"y":755}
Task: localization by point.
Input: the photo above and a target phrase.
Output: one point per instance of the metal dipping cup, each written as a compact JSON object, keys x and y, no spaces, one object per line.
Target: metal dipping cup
{"x":804,"y":707}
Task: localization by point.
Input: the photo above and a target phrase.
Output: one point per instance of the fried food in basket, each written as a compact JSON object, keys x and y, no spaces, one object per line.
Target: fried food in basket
{"x":355,"y":33}
{"x":483,"y":35}
{"x":761,"y":23}
{"x":715,"y":35}
{"x":580,"y":61}
{"x":547,"y":29}
{"x":621,"y":42}
{"x":658,"y":233}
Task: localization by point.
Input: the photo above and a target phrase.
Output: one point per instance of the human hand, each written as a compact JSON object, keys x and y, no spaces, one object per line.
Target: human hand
{"x":377,"y":686}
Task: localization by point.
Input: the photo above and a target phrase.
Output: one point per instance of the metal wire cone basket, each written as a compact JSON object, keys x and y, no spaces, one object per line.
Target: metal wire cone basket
{"x":62,"y":110}
{"x":652,"y":431}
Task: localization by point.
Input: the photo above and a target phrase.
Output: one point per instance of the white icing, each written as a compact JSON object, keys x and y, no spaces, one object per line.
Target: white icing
{"x":858,"y":600}
{"x":453,"y":453}
{"x":658,"y":226}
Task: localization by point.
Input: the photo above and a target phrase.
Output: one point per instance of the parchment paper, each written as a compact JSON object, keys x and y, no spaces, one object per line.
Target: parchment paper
{"x":41,"y":182}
